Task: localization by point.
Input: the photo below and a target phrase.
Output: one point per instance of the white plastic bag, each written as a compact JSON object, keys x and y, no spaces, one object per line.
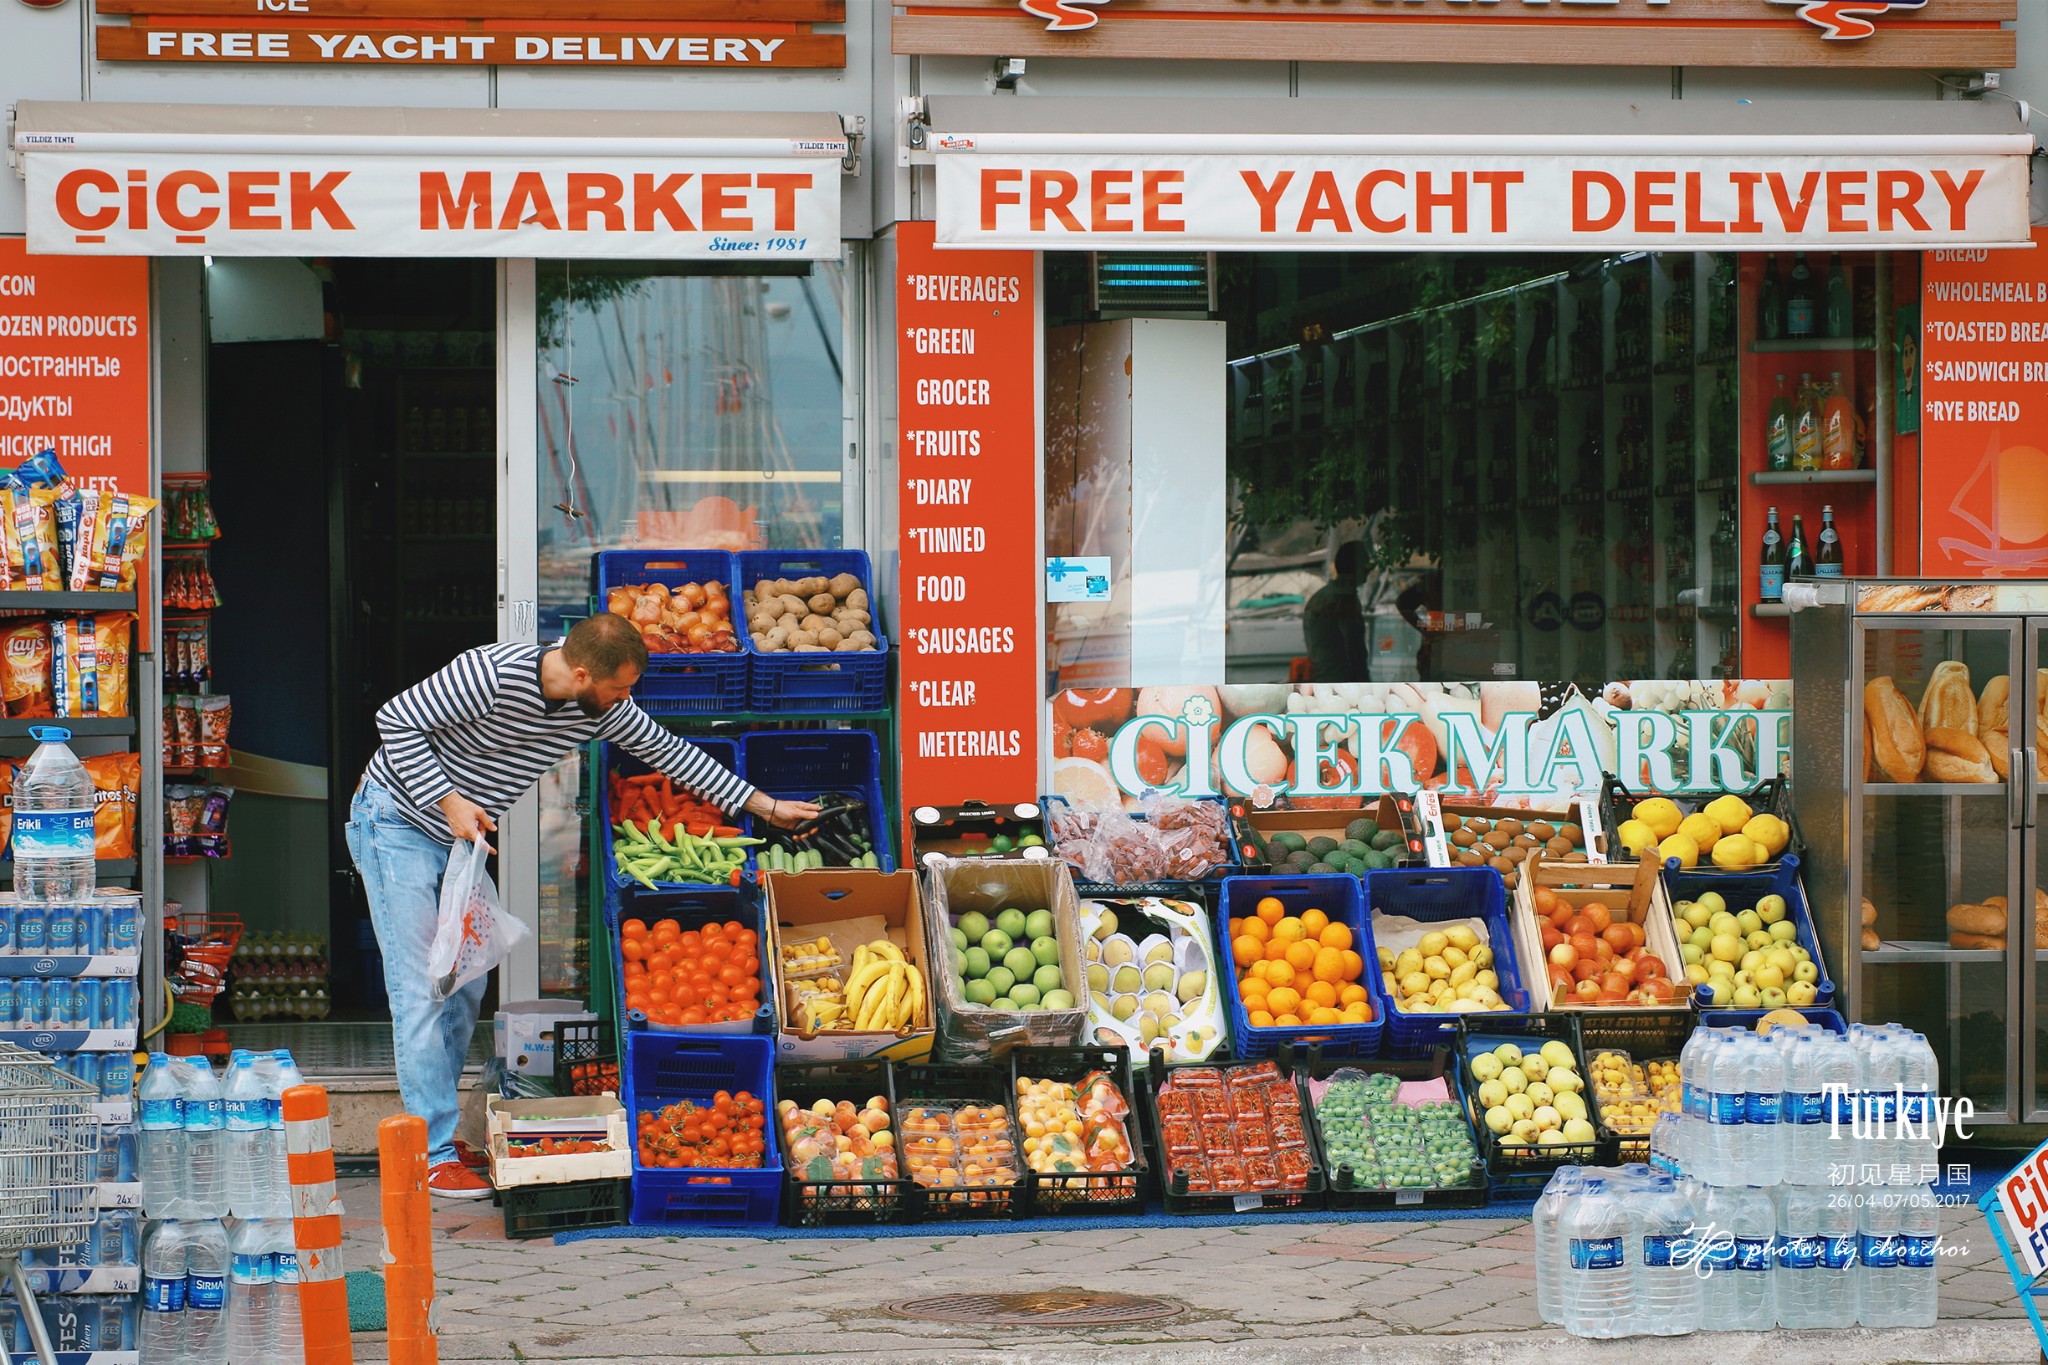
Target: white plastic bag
{"x":474,"y":934}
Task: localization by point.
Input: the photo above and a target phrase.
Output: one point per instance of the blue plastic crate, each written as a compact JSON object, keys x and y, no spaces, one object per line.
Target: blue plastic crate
{"x":691,"y":908}
{"x":797,"y":765}
{"x":662,"y":1068}
{"x":725,"y":751}
{"x":684,"y":684}
{"x":817,"y":682}
{"x":1742,"y":890}
{"x":1342,"y":899}
{"x":1432,"y":895}
{"x":1748,"y":1019}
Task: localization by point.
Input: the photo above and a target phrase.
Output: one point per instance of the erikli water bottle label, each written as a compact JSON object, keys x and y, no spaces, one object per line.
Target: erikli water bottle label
{"x":1728,"y":1109}
{"x":251,"y":1269}
{"x":286,"y":1266}
{"x":1918,"y":1253}
{"x":1665,"y":1252}
{"x":1752,"y":1253}
{"x":163,"y":1111}
{"x":53,"y":834}
{"x":1881,"y":1253}
{"x":1804,"y":1107}
{"x":1839,"y":1253}
{"x":207,"y":1293}
{"x":1760,"y":1106}
{"x":1799,"y":1253}
{"x":165,"y":1294}
{"x":1596,"y":1253}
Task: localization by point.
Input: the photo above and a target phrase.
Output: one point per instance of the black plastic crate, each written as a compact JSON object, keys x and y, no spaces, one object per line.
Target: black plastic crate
{"x":1174,"y":1192}
{"x":1520,"y":1169}
{"x":839,"y":1203}
{"x":1344,"y":1194}
{"x":1639,"y":1032}
{"x":1051,"y":1195}
{"x":586,"y":1057}
{"x":949,"y":1087}
{"x":544,"y":1210}
{"x":1772,"y":796}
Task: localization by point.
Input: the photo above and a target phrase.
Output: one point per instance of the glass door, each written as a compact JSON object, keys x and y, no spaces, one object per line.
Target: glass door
{"x":1933,"y":850}
{"x":2027,"y":754}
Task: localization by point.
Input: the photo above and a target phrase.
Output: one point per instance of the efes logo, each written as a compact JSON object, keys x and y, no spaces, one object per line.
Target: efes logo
{"x":1063,"y":16}
{"x":1846,"y":19}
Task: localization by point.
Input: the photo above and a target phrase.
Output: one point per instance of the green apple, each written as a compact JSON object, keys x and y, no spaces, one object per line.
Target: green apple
{"x":1771,"y":909}
{"x":1773,"y":997}
{"x":1723,"y":993}
{"x":1805,"y":974}
{"x":1003,"y":1002}
{"x":1045,"y":948}
{"x":1724,"y":923}
{"x":979,"y":993}
{"x":1801,"y":993}
{"x":1011,"y":922}
{"x":1712,"y":900}
{"x":1748,"y":998}
{"x":1025,"y":994}
{"x":1001,"y":978}
{"x":1750,"y":921}
{"x":1047,"y":978}
{"x":1021,"y":963}
{"x":997,"y":942}
{"x":1760,"y":938}
{"x":975,"y":925}
{"x":959,"y":936}
{"x":1785,"y":931}
{"x":977,"y":964}
{"x":1057,"y":1000}
{"x":1727,"y":947}
{"x":1691,"y":953}
{"x":959,"y":964}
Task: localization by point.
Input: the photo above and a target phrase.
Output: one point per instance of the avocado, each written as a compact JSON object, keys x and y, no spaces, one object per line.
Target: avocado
{"x":1387,"y":839}
{"x":1301,"y":860}
{"x":1361,"y":829}
{"x":1288,"y":841}
{"x":1320,"y":846}
{"x":1354,"y":847}
{"x":1320,"y":867}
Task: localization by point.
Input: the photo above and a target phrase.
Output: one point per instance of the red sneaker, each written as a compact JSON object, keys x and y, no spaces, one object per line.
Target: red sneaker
{"x":453,"y":1180}
{"x":471,"y":1157}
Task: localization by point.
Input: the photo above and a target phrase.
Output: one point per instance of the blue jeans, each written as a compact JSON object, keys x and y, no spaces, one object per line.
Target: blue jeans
{"x":402,"y":871}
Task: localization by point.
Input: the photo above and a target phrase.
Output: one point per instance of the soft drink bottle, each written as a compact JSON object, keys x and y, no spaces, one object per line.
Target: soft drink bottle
{"x":206,"y":1294}
{"x":1882,"y":1301}
{"x":248,"y":1129}
{"x":1550,"y":1206}
{"x":1919,"y":1237}
{"x":53,"y":823}
{"x":252,"y":1326}
{"x":165,"y":1268}
{"x":284,"y":1267}
{"x":1599,"y":1283}
{"x":1668,"y":1298}
{"x":162,"y":1144}
{"x":205,"y":1141}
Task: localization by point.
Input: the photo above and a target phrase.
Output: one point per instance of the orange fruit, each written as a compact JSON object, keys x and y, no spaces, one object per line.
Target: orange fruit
{"x":1245,"y":949}
{"x":1283,"y":1000}
{"x":1354,"y":966}
{"x":1312,"y":922}
{"x":1287,"y":1021}
{"x":1320,"y":993}
{"x":1358,"y":1013}
{"x":1335,"y":936}
{"x":1276,"y":951}
{"x":1353,"y":994}
{"x":1279,"y":974}
{"x":1287,"y":930}
{"x":1301,"y":954}
{"x":1321,"y":1015}
{"x":1261,"y":1019}
{"x":1328,"y":965}
{"x":1258,"y":928}
{"x":1270,"y":910}
{"x":1252,"y":988}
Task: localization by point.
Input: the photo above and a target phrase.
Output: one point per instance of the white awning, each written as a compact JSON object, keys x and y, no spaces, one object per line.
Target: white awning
{"x":238,"y":180}
{"x":1344,"y":175}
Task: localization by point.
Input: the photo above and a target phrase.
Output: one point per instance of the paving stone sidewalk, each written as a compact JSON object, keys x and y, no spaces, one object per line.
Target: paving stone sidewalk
{"x":1459,"y":1291}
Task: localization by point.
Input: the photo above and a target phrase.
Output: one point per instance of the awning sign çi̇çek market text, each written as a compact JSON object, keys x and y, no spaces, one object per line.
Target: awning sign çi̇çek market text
{"x":1095,"y":198}
{"x":285,"y":204}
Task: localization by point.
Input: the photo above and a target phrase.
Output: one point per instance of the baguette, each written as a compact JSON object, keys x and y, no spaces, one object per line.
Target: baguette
{"x":1898,"y":597}
{"x":1895,"y":739}
{"x":1992,"y":705}
{"x":1999,"y":745}
{"x":1954,"y":756}
{"x":1987,"y":919}
{"x":1948,"y":703}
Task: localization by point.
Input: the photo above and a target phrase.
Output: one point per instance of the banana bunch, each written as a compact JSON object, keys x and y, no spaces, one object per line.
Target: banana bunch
{"x":820,"y":1003}
{"x":883,"y":991}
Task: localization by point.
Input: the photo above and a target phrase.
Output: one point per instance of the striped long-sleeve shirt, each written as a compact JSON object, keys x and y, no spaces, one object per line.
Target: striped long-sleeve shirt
{"x":481,"y":727}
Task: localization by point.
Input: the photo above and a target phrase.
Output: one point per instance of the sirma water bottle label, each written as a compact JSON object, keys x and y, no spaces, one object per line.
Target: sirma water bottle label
{"x":1761,"y":1107}
{"x":1804,"y":1107}
{"x":1596,"y":1253}
{"x":1881,"y":1253}
{"x":1728,"y":1109}
{"x":164,"y":1295}
{"x":1719,"y":1253}
{"x":1665,"y":1252}
{"x":52,"y":834}
{"x":207,"y":1292}
{"x":1692,"y":1100}
{"x":1842,"y":1107}
{"x":1752,"y":1253}
{"x":1839,"y":1253}
{"x":1799,"y":1253}
{"x":1918,"y":1253}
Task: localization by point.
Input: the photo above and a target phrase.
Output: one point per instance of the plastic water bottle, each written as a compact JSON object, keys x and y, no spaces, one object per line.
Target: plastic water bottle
{"x":1714,"y":1232}
{"x":1756,"y":1232}
{"x":1668,"y":1295}
{"x":1763,"y":1146}
{"x":54,"y":847}
{"x":162,"y":1142}
{"x":206,"y":1294}
{"x":1797,"y":1276}
{"x":1821,"y":1074}
{"x":283,"y":1075}
{"x":1599,"y":1282}
{"x":1840,"y":1274}
{"x":1692,"y":1101}
{"x":1728,"y":1104}
{"x":284,"y":1272}
{"x":1919,"y":1234}
{"x":248,"y":1130}
{"x":1882,"y":1300}
{"x":1665,"y":1135}
{"x":1564,"y":1183}
{"x":1920,"y":1078}
{"x":1873,"y":1090}
{"x":206,"y":1167}
{"x":164,"y":1271}
{"x":252,"y":1318}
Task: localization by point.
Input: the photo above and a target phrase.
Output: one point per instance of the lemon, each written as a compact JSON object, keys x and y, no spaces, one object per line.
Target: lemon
{"x":1730,"y":812}
{"x":1636,"y":838}
{"x":1681,"y":847}
{"x":1769,"y":831}
{"x":1736,"y":851}
{"x":1702,"y":829}
{"x":1660,"y":814}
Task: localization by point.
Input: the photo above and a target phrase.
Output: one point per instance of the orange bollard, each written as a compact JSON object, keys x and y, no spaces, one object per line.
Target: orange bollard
{"x":408,"y":1240}
{"x":316,"y":1226}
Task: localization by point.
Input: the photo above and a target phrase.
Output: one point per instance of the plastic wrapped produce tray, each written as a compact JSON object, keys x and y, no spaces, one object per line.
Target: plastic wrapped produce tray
{"x":1048,"y":1196}
{"x":841,"y":1203}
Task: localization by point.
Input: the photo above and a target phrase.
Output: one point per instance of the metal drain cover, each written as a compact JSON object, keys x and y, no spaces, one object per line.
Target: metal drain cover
{"x":1054,"y":1308}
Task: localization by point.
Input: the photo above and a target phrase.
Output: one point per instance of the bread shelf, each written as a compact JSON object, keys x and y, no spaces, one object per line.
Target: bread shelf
{"x":1934,"y":789}
{"x":1907,"y":952}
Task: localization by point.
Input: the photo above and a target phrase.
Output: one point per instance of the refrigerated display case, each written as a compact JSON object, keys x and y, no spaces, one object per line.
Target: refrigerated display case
{"x":1918,"y":789}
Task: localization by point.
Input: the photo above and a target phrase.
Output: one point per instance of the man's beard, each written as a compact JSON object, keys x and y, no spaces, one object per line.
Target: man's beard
{"x":589,"y":705}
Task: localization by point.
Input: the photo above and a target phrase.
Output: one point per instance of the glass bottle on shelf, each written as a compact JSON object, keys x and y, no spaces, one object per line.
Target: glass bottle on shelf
{"x":1798,"y":559}
{"x":1801,"y":303}
{"x":1806,"y":427}
{"x":1771,"y":563}
{"x":1827,"y":556}
{"x":415,"y":428}
{"x":1633,"y":445}
{"x":1778,"y":429}
{"x":1839,"y":320}
{"x":1770,"y":303}
{"x":1837,"y":428}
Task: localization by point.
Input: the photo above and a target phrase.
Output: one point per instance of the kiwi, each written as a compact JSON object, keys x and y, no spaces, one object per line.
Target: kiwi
{"x":1511,"y":879}
{"x":1572,"y":832}
{"x":1453,"y":821}
{"x":1557,"y":846}
{"x":1501,"y":865}
{"x":1479,"y":824}
{"x":1510,"y":827}
{"x":1575,"y":856}
{"x":1527,"y":841}
{"x":1464,"y":838}
{"x":1467,"y":858}
{"x":1542,"y":831}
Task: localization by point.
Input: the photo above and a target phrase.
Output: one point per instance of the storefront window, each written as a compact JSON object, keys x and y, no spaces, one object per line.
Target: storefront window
{"x":677,"y":407}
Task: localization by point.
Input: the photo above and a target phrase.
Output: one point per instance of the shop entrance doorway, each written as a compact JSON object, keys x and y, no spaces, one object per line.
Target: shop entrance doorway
{"x":355,"y":480}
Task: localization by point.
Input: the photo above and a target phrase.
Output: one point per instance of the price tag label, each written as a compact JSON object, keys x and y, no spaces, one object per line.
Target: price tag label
{"x":1245,"y":1203}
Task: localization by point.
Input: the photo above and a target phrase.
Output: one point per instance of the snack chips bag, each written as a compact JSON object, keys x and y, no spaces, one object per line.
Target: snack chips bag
{"x":114,"y":802}
{"x":113,"y":637}
{"x":214,"y":714}
{"x":185,"y":733}
{"x":40,"y":470}
{"x":31,"y":539}
{"x":118,"y":540}
{"x":7,"y":766}
{"x":74,"y":665}
{"x":75,"y":508}
{"x":25,"y":671}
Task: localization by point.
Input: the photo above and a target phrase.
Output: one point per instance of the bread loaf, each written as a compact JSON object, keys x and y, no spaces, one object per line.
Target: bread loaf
{"x":1948,"y":703}
{"x":1995,"y":942}
{"x":1992,"y":705}
{"x":1869,"y":913}
{"x":1869,"y":752}
{"x":1953,"y":756}
{"x":1871,"y":942}
{"x":1998,"y":745}
{"x":1988,"y":919}
{"x":1898,"y":597}
{"x":1895,"y":739}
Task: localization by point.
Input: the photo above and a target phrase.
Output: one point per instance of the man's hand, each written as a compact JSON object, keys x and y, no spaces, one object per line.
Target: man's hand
{"x":783,"y":814}
{"x":467,"y":821}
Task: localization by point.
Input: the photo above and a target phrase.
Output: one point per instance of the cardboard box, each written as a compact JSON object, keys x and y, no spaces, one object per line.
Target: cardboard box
{"x":594,"y":1116}
{"x":953,"y":887}
{"x":1385,"y":813}
{"x":523,"y":1033}
{"x":967,"y":831}
{"x":796,"y":900}
{"x":1586,"y":884}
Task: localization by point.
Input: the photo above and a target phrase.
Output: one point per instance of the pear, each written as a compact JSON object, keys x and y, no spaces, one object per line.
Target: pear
{"x":1148,"y":1028}
{"x":1126,"y":981}
{"x":1123,"y":1007}
{"x":1155,"y":949}
{"x":1098,"y":977}
{"x":1093,"y":949}
{"x":1101,"y":1001}
{"x":1192,"y":984}
{"x":1163,"y":1005}
{"x":1107,"y":926}
{"x":1159,"y":976}
{"x":1117,"y":951}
